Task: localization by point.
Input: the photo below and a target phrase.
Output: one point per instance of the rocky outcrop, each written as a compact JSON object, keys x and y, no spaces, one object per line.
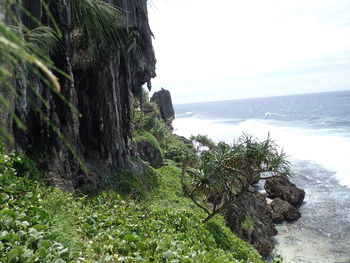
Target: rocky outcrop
{"x":284,"y":209}
{"x":252,"y":205}
{"x":149,"y":153}
{"x":264,"y":212}
{"x":163,"y":100}
{"x":281,"y":187}
{"x":96,"y":123}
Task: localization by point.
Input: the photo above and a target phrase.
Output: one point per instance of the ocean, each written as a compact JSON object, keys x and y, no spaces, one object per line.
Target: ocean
{"x":314,"y":130}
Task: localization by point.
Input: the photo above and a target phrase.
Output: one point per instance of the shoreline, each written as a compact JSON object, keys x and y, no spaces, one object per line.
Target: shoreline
{"x":322,"y":234}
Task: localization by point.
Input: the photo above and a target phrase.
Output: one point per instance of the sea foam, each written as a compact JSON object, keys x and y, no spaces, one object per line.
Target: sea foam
{"x":324,"y":147}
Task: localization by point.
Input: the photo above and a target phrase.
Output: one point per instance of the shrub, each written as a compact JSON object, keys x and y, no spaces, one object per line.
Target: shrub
{"x":225,"y":172}
{"x":139,"y":136}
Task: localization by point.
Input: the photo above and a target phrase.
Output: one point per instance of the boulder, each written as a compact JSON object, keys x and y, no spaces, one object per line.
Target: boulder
{"x":163,"y":100}
{"x":281,"y":187}
{"x":285,"y":209}
{"x":276,"y":217}
{"x":252,"y":205}
{"x":149,"y":153}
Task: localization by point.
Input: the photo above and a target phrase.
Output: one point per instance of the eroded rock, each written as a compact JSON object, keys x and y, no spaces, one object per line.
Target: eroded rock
{"x":253,"y":205}
{"x":163,"y":100}
{"x":289,"y":212}
{"x":149,"y":153}
{"x":281,"y":187}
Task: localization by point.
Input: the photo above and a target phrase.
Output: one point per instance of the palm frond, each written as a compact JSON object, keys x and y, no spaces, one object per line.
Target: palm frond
{"x":101,"y":24}
{"x":43,"y":39}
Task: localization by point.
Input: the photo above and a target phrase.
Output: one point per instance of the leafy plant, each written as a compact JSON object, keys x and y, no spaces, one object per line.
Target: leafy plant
{"x":226,"y":172}
{"x":248,"y":224}
{"x":42,"y":39}
{"x":43,"y":224}
{"x":101,"y":25}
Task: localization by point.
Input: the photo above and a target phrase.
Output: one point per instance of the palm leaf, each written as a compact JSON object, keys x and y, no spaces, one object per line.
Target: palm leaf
{"x":43,"y":39}
{"x":101,"y":24}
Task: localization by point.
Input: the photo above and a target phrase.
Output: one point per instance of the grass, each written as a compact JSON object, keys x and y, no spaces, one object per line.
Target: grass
{"x":146,"y":136}
{"x":43,"y":224}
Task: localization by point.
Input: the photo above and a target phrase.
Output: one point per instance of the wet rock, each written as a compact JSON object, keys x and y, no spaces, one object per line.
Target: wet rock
{"x":163,"y":100}
{"x":281,"y":187}
{"x":253,"y":205}
{"x":285,"y":209}
{"x":149,"y":153}
{"x":276,"y":217}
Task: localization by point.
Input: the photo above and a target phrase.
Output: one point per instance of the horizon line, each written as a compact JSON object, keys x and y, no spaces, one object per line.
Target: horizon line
{"x":263,"y":97}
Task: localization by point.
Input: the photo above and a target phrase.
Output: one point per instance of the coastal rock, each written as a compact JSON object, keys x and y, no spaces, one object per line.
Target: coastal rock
{"x":149,"y":153}
{"x":276,"y":217}
{"x":281,"y":187}
{"x":285,"y":209}
{"x":97,"y":117}
{"x":163,"y":100}
{"x":253,"y":205}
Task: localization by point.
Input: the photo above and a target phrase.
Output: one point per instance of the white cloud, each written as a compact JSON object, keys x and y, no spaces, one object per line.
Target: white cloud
{"x":200,"y":43}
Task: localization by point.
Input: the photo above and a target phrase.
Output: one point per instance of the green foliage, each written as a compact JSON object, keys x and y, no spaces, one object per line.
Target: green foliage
{"x":225,"y":172}
{"x":248,"y":224}
{"x":29,"y":230}
{"x":43,"y":224}
{"x":126,"y":183}
{"x":24,"y":58}
{"x":178,"y":151}
{"x":101,"y":25}
{"x":146,"y":136}
{"x":42,"y":40}
{"x":278,"y":259}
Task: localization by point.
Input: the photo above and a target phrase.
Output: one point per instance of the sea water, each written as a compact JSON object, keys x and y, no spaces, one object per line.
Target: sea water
{"x":314,"y":130}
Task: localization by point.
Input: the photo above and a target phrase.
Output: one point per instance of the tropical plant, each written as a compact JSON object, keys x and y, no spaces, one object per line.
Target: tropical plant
{"x":226,"y":172}
{"x":248,"y":224}
{"x":42,"y":40}
{"x":16,"y":54}
{"x":102,"y":25}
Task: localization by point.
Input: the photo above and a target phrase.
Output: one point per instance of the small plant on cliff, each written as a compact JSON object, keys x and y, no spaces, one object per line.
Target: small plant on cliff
{"x":226,"y":172}
{"x":101,"y":25}
{"x":248,"y":224}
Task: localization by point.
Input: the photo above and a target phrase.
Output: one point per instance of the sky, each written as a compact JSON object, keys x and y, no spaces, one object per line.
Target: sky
{"x":234,"y":49}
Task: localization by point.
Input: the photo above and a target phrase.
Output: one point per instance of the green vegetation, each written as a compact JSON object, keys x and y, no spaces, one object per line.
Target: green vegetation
{"x":146,"y":136}
{"x":123,"y":216}
{"x":248,"y":224}
{"x":224,"y":172}
{"x":149,"y":126}
{"x":43,"y":224}
{"x":101,"y":26}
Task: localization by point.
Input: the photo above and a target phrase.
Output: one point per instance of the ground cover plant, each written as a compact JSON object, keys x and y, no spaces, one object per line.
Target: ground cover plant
{"x":43,"y":224}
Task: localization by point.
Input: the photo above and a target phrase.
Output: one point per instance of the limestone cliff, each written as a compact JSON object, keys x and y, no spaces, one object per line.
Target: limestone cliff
{"x":101,"y":91}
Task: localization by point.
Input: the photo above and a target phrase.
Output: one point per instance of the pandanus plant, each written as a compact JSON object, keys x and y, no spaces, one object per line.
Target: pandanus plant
{"x":225,"y":172}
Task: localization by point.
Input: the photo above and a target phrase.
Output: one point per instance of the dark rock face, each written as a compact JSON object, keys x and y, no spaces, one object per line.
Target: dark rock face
{"x":281,"y":187}
{"x":285,"y":209}
{"x":276,"y":217}
{"x":101,"y":91}
{"x":149,"y":153}
{"x":253,"y":205}
{"x":163,"y":99}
